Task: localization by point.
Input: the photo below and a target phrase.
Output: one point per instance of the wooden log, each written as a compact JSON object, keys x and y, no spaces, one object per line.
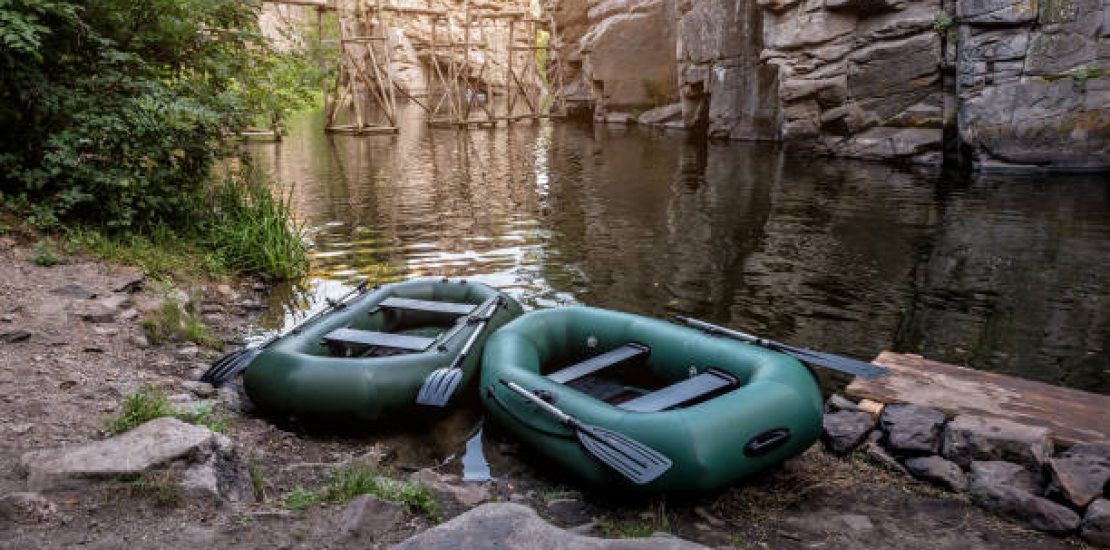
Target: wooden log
{"x":1074,"y":416}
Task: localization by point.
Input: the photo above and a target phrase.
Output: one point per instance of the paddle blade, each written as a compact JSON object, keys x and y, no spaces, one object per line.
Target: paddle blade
{"x":638,"y":462}
{"x":439,"y":386}
{"x":229,"y":365}
{"x":834,"y":362}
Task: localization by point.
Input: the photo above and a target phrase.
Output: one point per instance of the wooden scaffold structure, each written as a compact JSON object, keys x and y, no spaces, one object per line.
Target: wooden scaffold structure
{"x":460,"y":91}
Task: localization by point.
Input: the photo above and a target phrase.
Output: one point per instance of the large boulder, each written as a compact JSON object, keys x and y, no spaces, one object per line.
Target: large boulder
{"x":210,"y":465}
{"x":970,"y":437}
{"x":912,"y":429}
{"x":507,"y":526}
{"x":1021,"y":506}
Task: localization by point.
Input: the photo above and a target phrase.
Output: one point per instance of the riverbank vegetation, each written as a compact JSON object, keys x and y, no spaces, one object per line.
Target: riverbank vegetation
{"x":117,"y":115}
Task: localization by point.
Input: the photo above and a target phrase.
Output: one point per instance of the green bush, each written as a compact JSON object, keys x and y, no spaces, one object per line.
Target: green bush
{"x":115,"y":112}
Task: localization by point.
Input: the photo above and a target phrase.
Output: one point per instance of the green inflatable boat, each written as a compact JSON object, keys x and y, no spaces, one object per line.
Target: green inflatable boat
{"x":374,"y":355}
{"x":624,"y":400}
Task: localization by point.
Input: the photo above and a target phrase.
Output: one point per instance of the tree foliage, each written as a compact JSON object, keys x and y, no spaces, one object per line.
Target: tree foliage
{"x":114,"y":111}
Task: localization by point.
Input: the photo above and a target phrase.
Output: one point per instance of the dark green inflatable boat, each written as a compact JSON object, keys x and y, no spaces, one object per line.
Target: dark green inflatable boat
{"x":653,"y":405}
{"x":370,"y":358}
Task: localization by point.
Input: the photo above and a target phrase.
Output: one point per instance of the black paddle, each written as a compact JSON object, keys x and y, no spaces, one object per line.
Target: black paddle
{"x":233,"y":363}
{"x":628,"y":457}
{"x":816,"y":358}
{"x":441,"y":384}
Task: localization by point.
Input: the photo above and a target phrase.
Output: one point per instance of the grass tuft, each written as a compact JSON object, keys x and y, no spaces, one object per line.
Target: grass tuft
{"x":258,"y":481}
{"x":255,"y":232}
{"x":174,"y":323}
{"x":44,"y":254}
{"x":349,"y":483}
{"x":301,"y":499}
{"x":146,"y":403}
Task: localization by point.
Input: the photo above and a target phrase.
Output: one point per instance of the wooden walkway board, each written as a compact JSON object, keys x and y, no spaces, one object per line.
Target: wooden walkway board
{"x":1074,"y":416}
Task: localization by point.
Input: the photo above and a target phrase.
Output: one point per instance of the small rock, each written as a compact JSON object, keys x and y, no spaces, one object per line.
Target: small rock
{"x":224,"y":290}
{"x":998,"y":472}
{"x":231,"y":399}
{"x":708,"y":517}
{"x":129,"y":314}
{"x":211,"y":309}
{"x":258,"y":287}
{"x":203,"y":390}
{"x":837,"y":403}
{"x":74,"y":290}
{"x":26,"y":508}
{"x":367,"y":517}
{"x":1036,"y":512}
{"x":22,"y":428}
{"x":857,"y":522}
{"x":912,"y":429}
{"x":586,"y":529}
{"x":878,"y":455}
{"x":140,"y":341}
{"x":968,"y":438}
{"x":128,"y":280}
{"x":1095,"y":527}
{"x":373,"y":458}
{"x":14,"y":336}
{"x":874,"y":408}
{"x":568,"y":511}
{"x":844,"y":430}
{"x":186,"y":353}
{"x":935,"y":469}
{"x":1079,"y":479}
{"x":6,"y":318}
{"x":467,"y":495}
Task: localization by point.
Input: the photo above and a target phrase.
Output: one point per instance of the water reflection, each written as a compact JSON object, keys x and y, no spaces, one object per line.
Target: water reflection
{"x":999,"y":273}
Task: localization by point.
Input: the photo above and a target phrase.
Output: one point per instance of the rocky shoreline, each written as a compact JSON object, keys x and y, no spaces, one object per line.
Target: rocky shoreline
{"x":72,"y":348}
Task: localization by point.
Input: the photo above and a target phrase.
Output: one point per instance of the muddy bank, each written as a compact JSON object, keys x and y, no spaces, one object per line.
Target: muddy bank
{"x":72,"y":346}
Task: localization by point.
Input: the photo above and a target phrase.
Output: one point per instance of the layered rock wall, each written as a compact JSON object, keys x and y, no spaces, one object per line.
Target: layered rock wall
{"x":1004,"y":82}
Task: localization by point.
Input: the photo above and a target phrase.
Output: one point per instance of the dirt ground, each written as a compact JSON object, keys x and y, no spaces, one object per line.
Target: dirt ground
{"x":71,"y":347}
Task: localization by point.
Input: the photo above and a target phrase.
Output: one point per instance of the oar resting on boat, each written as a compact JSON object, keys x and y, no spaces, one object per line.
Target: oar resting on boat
{"x":713,"y":410}
{"x":368,"y":360}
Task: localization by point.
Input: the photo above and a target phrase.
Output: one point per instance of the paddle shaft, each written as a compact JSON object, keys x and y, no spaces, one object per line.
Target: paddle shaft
{"x":466,"y":321}
{"x":564,"y":418}
{"x":819,"y":358}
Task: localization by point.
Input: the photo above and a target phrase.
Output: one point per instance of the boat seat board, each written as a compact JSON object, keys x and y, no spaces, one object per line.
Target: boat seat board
{"x":681,"y":393}
{"x":611,"y":358}
{"x":451,"y":308}
{"x":350,"y":336}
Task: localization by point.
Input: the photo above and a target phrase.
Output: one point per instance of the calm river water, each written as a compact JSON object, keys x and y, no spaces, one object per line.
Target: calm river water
{"x":1001,"y":273}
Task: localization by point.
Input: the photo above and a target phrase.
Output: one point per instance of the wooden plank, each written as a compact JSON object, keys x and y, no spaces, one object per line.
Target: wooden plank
{"x":355,"y":337}
{"x":1074,"y":416}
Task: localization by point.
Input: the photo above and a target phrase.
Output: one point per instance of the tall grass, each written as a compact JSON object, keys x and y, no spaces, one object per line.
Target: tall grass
{"x":254,"y":231}
{"x":241,"y":228}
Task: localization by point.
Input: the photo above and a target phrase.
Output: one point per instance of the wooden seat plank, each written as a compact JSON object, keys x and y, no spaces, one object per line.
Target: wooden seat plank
{"x":350,"y":336}
{"x":606,"y":360}
{"x":681,"y":393}
{"x":450,"y":308}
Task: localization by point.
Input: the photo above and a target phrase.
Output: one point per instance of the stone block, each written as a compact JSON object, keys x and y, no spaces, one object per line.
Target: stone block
{"x":968,"y":438}
{"x":912,"y":429}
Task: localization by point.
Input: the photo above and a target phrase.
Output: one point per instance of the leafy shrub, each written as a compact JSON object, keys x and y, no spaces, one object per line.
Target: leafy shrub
{"x":115,"y":112}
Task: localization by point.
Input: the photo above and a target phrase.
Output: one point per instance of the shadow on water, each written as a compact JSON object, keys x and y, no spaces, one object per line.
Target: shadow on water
{"x":996,"y":272}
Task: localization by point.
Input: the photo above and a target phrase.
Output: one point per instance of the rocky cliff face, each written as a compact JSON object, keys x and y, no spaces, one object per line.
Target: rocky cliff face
{"x":1007,"y":82}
